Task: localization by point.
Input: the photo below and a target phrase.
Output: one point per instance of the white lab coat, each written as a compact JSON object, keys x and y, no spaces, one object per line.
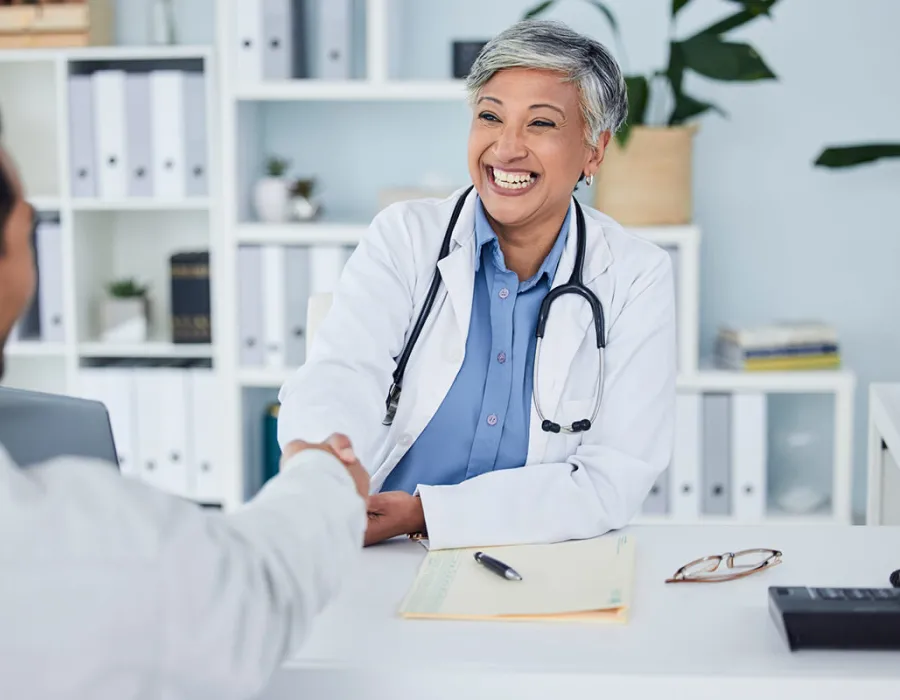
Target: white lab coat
{"x":572,"y":486}
{"x":111,"y":590}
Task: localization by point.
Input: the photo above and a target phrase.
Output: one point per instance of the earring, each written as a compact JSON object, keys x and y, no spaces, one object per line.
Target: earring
{"x":588,"y":180}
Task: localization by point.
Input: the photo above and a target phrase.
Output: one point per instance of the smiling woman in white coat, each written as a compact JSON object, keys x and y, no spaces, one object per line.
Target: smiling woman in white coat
{"x":493,"y":437}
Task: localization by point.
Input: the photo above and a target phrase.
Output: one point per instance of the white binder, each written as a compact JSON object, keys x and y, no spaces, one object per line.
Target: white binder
{"x":296,"y":296}
{"x":277,"y":47}
{"x":195,"y":135}
{"x":333,"y":46}
{"x":684,"y":479}
{"x":250,"y":306}
{"x":82,"y":147}
{"x":114,"y":387}
{"x":207,"y":466}
{"x":326,"y":264}
{"x":248,"y":24}
{"x":139,"y":130}
{"x":716,"y":455}
{"x":50,"y":285}
{"x":167,"y":88}
{"x":109,"y":113}
{"x":273,"y":310}
{"x":162,"y":399}
{"x":749,"y":439}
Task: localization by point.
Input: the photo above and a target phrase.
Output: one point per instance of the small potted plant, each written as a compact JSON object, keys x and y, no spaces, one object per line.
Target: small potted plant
{"x":271,"y":196}
{"x":304,"y":206}
{"x":125,"y":312}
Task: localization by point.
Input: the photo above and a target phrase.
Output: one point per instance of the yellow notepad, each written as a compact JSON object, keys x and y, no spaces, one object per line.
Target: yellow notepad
{"x":582,"y":580}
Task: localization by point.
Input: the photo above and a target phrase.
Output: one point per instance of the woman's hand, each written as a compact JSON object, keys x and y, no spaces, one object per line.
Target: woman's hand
{"x":393,"y":513}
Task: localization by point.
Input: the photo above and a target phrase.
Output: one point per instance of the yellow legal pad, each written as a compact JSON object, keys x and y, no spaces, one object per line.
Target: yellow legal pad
{"x":577,"y":581}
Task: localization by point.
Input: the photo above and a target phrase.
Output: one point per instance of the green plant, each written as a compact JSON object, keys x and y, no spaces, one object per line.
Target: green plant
{"x":303,"y":188}
{"x":706,"y":53}
{"x":847,"y":156}
{"x":127,"y":289}
{"x":277,"y":167}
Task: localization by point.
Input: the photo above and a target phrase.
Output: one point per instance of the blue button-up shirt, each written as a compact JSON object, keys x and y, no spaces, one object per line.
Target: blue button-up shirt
{"x":482,"y":424}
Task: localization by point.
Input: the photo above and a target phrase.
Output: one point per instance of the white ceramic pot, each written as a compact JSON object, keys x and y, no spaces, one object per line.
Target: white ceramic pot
{"x":271,"y":200}
{"x":124,"y":320}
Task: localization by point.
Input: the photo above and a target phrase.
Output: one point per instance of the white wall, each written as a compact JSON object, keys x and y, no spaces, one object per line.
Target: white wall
{"x":781,"y":238}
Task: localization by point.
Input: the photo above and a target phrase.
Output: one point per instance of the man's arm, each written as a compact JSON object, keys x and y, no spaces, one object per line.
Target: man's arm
{"x":241,"y":591}
{"x":603,"y":484}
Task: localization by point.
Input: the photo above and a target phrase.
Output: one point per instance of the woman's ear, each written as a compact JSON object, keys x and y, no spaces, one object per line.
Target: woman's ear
{"x":599,"y":150}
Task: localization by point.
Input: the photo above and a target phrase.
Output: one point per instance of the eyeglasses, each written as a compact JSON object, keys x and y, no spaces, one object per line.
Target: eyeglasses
{"x":740,"y":564}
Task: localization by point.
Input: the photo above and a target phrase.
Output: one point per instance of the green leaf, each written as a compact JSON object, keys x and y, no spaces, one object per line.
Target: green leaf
{"x":538,"y":9}
{"x":677,"y":5}
{"x":708,"y":55}
{"x":846,"y":156}
{"x":610,"y":17}
{"x":687,"y":107}
{"x":638,"y":91}
{"x":757,"y":7}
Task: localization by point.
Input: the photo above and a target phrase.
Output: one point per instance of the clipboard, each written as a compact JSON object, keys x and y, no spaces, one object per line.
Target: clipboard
{"x":575,"y":581}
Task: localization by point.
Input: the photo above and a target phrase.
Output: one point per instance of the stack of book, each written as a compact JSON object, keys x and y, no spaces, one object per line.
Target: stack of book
{"x":779,"y":346}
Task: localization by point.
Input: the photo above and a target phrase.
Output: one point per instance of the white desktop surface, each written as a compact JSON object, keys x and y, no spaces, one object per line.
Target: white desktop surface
{"x":683,"y":640}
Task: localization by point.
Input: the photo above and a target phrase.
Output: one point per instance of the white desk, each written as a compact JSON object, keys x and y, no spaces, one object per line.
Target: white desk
{"x":883,"y":490}
{"x":693,"y":641}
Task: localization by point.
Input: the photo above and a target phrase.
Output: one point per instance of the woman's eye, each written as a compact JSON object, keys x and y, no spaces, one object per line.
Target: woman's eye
{"x":488,"y":117}
{"x":543,"y":123}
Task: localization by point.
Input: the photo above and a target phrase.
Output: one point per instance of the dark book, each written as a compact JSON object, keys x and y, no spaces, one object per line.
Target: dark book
{"x":191,"y":306}
{"x":271,"y":448}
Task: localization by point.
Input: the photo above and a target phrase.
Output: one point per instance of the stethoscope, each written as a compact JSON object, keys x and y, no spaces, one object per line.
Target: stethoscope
{"x":575,"y":285}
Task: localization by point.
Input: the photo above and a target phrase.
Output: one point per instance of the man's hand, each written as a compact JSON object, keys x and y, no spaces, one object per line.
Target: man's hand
{"x":393,"y":513}
{"x":339,"y":446}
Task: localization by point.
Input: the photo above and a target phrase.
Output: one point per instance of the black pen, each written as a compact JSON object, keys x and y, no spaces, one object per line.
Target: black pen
{"x":498,"y":567}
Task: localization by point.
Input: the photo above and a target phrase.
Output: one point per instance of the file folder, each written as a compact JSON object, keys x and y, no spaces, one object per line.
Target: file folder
{"x":81,"y":137}
{"x":168,"y":133}
{"x":50,"y":288}
{"x":296,"y":294}
{"x":277,"y":48}
{"x":250,"y":306}
{"x":207,"y":467}
{"x":114,"y":387}
{"x":326,"y":265}
{"x":138,"y":110}
{"x":684,"y":479}
{"x":274,"y":326}
{"x":749,"y":439}
{"x":716,"y":459}
{"x":109,"y":110}
{"x":162,"y":398}
{"x":195,"y":135}
{"x":577,"y":581}
{"x":333,"y":48}
{"x":248,"y":22}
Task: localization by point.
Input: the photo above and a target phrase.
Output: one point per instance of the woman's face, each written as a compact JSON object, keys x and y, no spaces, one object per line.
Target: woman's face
{"x":527,"y":145}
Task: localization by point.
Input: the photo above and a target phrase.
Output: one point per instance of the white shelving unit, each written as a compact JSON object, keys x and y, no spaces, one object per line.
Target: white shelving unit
{"x":243,"y":117}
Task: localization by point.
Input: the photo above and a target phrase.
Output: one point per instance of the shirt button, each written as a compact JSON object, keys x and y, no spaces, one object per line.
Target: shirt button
{"x":492,"y":419}
{"x":501,"y":358}
{"x":503,"y":293}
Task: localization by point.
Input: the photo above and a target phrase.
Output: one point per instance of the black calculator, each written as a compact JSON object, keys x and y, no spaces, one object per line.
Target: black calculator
{"x":837,"y":618}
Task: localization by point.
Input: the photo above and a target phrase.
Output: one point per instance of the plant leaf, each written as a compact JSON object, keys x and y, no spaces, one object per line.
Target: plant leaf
{"x":677,"y":5}
{"x":687,"y":107}
{"x":708,"y":55}
{"x":538,"y":9}
{"x":726,"y":25}
{"x":846,"y":156}
{"x":757,"y":7}
{"x":638,"y":91}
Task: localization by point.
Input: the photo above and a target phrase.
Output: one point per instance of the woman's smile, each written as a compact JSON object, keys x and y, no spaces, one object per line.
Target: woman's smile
{"x":510,"y":183}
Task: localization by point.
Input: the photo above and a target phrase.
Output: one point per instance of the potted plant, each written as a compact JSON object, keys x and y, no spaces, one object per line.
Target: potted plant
{"x":304,"y":206}
{"x":646,"y":175}
{"x":272,"y":193}
{"x":125,"y":312}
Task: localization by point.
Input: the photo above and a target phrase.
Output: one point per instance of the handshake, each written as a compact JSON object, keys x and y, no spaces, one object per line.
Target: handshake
{"x":391,"y":513}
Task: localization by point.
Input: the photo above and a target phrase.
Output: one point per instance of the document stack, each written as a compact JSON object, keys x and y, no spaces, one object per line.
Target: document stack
{"x":779,"y":346}
{"x":153,"y":140}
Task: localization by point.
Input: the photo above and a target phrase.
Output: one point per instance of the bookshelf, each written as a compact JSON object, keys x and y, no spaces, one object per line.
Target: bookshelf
{"x":251,"y":119}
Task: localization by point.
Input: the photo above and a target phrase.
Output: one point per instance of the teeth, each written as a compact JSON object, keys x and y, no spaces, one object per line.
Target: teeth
{"x":512,"y":181}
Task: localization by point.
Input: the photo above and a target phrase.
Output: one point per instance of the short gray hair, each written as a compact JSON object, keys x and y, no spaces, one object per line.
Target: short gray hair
{"x":550,"y":45}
